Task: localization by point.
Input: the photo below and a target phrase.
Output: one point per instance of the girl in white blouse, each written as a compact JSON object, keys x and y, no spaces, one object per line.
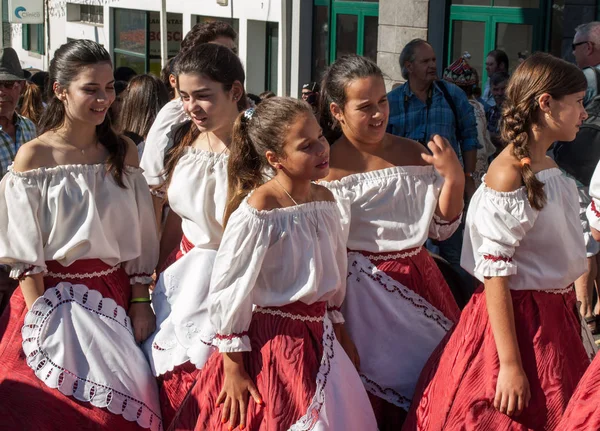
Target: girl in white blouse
{"x":210,"y":80}
{"x":516,"y":355}
{"x":276,"y":288}
{"x":77,"y":228}
{"x":393,"y":196}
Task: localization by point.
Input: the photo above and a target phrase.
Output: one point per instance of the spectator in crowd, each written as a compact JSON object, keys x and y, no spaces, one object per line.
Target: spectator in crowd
{"x":586,"y":49}
{"x":115,"y":108}
{"x":41,"y":80}
{"x":32,"y":104}
{"x":522,"y":56}
{"x":498,"y":82}
{"x":168,"y":79}
{"x":310,"y":94}
{"x":423,"y":107}
{"x":266,"y":95}
{"x":15,"y":130}
{"x":461,"y":74}
{"x":147,"y":94}
{"x":496,"y":61}
{"x":124,"y":73}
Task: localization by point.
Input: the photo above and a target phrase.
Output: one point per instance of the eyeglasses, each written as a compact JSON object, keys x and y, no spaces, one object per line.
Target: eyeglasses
{"x":575,"y":45}
{"x":7,"y":84}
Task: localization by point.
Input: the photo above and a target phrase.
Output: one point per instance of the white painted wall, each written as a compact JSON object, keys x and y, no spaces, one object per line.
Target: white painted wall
{"x":252,"y":15}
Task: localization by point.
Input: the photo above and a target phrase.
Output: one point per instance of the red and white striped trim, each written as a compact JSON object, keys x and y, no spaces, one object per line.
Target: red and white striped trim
{"x":231,"y":336}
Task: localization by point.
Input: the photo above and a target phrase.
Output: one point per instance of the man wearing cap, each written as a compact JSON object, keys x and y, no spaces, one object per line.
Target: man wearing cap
{"x":14,"y":129}
{"x":310,"y":94}
{"x":14,"y":132}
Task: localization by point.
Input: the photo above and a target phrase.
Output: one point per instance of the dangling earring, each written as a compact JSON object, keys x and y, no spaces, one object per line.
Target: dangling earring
{"x":279,"y":166}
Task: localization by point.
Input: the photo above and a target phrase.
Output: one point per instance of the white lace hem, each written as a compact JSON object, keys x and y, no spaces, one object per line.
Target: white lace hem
{"x":289,"y":315}
{"x":129,"y":391}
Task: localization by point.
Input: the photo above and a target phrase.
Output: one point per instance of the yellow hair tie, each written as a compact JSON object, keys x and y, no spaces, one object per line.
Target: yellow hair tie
{"x":525,"y":161}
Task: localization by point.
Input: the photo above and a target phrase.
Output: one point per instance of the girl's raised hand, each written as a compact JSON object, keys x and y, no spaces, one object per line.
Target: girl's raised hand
{"x":237,"y":387}
{"x":443,"y":158}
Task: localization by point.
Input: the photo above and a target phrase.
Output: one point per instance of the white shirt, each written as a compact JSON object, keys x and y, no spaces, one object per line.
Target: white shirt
{"x":198,"y":194}
{"x":72,"y":212}
{"x":273,"y":258}
{"x":540,"y":250}
{"x":391,"y":209}
{"x":159,"y":141}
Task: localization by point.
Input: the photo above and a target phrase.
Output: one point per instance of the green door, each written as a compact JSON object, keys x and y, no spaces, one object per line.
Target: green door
{"x":354,"y":29}
{"x":479,"y":29}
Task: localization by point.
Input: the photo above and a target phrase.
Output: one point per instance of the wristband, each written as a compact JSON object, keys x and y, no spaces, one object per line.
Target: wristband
{"x":140,"y":300}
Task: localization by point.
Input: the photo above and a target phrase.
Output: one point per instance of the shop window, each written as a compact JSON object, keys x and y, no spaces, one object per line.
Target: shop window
{"x":33,"y":38}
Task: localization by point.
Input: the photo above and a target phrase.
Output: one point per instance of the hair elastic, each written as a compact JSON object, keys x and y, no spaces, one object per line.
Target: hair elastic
{"x":248,"y":113}
{"x":525,"y":161}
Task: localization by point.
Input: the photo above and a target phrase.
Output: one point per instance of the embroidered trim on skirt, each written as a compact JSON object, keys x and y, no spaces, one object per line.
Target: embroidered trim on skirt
{"x":304,"y":377}
{"x":76,"y":338}
{"x":457,"y":387}
{"x":412,"y":309}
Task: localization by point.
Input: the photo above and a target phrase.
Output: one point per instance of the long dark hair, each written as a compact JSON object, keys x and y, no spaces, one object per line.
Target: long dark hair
{"x":32,"y":104}
{"x":144,"y":97}
{"x":254,"y":133}
{"x":341,"y":73}
{"x":218,"y":64}
{"x":67,"y":63}
{"x":541,"y":73}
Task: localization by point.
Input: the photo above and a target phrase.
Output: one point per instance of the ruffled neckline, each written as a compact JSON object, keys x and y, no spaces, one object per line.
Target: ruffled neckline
{"x":45,"y":172}
{"x":380,"y":174}
{"x":543,"y":175}
{"x":294,"y":209}
{"x":207,"y":155}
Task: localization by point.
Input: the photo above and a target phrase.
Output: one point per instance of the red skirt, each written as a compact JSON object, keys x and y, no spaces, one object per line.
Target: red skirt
{"x":583,"y":411}
{"x":175,"y":385}
{"x":457,"y":386}
{"x":26,"y":402}
{"x":284,"y":362}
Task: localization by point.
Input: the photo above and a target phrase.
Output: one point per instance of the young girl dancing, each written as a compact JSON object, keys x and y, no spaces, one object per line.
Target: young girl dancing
{"x":210,"y":80}
{"x":393,"y":196}
{"x":77,"y":227}
{"x":516,"y":355}
{"x":280,"y":267}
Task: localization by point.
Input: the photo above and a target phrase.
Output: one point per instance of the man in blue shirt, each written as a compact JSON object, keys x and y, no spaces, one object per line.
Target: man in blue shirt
{"x":423,"y":107}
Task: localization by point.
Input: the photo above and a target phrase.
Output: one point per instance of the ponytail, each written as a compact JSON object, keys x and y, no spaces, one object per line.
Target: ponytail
{"x":516,"y":121}
{"x":245,"y":166}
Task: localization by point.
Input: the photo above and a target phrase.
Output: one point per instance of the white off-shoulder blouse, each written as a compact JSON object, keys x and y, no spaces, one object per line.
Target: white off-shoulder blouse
{"x":198,"y":194}
{"x":539,"y":250}
{"x":273,"y":258}
{"x":593,"y":209}
{"x":391,"y":209}
{"x":72,"y":212}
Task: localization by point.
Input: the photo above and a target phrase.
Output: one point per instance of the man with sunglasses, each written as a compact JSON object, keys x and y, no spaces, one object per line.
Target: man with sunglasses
{"x":586,"y":49}
{"x":15,"y":130}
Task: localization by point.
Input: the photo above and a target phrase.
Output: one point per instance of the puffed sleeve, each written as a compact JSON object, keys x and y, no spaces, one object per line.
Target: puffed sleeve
{"x":237,"y":266}
{"x":341,"y":256}
{"x":343,"y":198}
{"x":593,"y":209}
{"x":495,"y":226}
{"x":140,"y":269}
{"x":21,"y":240}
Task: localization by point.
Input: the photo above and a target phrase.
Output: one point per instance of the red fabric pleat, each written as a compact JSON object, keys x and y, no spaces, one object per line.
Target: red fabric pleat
{"x":283,"y":363}
{"x":421,"y":275}
{"x":583,"y":411}
{"x":26,"y":403}
{"x":457,"y":386}
{"x":174,"y":385}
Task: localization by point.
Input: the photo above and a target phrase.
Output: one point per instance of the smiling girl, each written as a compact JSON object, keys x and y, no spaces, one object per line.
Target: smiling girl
{"x":393,"y":195}
{"x":77,"y":227}
{"x":210,"y":80}
{"x":280,"y":267}
{"x":516,"y":355}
